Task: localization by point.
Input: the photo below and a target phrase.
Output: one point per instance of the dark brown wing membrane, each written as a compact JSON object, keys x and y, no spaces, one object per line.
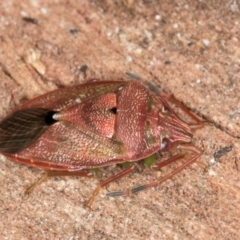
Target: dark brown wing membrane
{"x":23,"y":127}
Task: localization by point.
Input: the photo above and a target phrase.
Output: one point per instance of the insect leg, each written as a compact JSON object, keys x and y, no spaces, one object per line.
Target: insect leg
{"x":167,"y":161}
{"x":197,"y":122}
{"x":104,"y":183}
{"x":189,"y":147}
{"x":48,"y":174}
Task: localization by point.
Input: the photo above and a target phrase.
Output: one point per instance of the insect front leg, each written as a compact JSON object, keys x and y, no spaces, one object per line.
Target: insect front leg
{"x":197,"y":123}
{"x":188,"y":147}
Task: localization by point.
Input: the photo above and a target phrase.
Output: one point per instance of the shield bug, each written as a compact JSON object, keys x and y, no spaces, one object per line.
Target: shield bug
{"x":72,"y":130}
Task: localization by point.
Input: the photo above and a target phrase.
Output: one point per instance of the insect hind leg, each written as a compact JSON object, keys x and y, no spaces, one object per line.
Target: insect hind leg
{"x":48,"y":174}
{"x":104,"y":183}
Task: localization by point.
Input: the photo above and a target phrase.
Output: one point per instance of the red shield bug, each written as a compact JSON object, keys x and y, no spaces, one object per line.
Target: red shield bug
{"x":71,"y":130}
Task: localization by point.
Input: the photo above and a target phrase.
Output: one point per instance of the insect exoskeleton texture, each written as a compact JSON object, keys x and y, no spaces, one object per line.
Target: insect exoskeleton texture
{"x":93,"y":125}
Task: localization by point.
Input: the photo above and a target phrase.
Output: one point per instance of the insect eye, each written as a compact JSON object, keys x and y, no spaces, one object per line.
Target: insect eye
{"x":165,"y":144}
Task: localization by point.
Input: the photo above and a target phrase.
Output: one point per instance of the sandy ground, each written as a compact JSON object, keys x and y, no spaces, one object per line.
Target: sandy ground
{"x":188,"y":48}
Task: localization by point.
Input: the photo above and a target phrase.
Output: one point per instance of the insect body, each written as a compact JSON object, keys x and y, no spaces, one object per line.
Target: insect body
{"x":93,"y":125}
